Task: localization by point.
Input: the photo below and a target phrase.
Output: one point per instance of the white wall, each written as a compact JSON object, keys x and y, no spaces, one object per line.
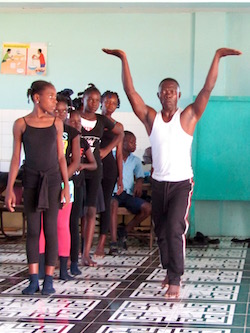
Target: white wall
{"x":7,"y":118}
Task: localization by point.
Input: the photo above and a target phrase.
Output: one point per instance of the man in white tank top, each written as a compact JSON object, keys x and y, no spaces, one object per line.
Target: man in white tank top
{"x":171,"y":132}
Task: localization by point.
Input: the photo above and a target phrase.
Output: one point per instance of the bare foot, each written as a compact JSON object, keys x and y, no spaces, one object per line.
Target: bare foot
{"x":87,"y":261}
{"x":165,"y":282}
{"x":173,"y":291}
{"x":99,"y":253}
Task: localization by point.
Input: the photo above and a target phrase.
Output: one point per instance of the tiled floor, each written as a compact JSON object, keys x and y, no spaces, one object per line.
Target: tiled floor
{"x":123,"y":294}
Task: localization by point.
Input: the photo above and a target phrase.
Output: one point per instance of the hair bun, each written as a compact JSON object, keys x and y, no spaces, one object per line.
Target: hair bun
{"x":90,"y":85}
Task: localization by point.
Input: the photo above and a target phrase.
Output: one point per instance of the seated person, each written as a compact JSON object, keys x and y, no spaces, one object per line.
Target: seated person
{"x":130,"y":198}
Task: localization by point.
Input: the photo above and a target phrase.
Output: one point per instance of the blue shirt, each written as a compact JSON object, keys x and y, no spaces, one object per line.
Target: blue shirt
{"x":132,"y":169}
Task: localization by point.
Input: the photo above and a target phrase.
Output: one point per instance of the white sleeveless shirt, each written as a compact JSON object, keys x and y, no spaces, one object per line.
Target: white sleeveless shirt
{"x":171,"y":149}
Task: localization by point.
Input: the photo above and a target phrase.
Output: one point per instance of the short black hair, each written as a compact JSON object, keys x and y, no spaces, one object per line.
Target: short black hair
{"x":90,"y":88}
{"x":64,"y":96}
{"x":109,"y":94}
{"x":169,"y":79}
{"x":128,"y":133}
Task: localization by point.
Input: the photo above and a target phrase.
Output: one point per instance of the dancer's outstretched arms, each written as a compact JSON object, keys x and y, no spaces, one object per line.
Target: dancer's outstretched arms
{"x":203,"y":97}
{"x":145,"y":113}
{"x":194,"y":111}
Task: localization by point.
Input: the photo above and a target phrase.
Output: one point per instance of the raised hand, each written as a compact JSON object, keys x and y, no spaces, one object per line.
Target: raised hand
{"x":224,"y":52}
{"x":117,"y":53}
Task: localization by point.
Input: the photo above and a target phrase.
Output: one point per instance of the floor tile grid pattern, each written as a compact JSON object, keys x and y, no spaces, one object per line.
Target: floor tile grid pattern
{"x":124,"y":294}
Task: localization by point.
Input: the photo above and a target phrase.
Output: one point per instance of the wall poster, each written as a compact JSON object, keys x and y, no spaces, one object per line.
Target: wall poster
{"x":24,"y":59}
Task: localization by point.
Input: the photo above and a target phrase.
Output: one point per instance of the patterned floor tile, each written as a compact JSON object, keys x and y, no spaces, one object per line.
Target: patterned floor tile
{"x":45,"y":308}
{"x":34,"y":328}
{"x":130,"y":251}
{"x":72,"y":288}
{"x":124,"y":295}
{"x":168,"y":312}
{"x":138,"y":251}
{"x":131,"y":329}
{"x":122,"y":260}
{"x":226,"y":242}
{"x":11,"y":270}
{"x":14,"y":247}
{"x":216,"y":253}
{"x":15,"y":257}
{"x":219,"y":263}
{"x":191,"y":291}
{"x":195,"y":275}
{"x":143,"y":329}
{"x":103,"y":273}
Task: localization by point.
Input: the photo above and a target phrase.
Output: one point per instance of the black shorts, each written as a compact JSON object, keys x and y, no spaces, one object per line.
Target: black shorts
{"x":92,"y":186}
{"x":133,"y":204}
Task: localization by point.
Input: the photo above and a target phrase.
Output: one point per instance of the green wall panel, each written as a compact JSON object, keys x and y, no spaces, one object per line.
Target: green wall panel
{"x":221,"y":150}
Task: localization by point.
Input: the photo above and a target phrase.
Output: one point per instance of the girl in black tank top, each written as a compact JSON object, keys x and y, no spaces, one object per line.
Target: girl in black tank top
{"x":45,"y":166}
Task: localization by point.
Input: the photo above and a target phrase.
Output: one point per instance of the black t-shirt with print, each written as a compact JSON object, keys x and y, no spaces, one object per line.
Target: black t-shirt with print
{"x":93,"y":137}
{"x":79,"y":176}
{"x":69,"y":133}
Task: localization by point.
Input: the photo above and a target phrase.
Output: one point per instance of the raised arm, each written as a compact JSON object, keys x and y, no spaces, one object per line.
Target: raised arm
{"x":142,"y":111}
{"x":193,"y":112}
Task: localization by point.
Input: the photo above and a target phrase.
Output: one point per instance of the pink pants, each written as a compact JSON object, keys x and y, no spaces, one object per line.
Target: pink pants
{"x":63,"y":232}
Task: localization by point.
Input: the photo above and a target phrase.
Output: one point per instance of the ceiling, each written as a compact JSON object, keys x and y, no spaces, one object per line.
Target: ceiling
{"x":116,"y":6}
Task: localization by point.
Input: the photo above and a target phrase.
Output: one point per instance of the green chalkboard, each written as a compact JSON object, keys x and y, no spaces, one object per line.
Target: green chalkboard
{"x":221,"y":150}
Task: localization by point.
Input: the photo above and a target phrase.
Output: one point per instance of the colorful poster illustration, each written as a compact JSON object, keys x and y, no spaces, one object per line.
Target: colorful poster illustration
{"x":37,"y":59}
{"x":24,"y":59}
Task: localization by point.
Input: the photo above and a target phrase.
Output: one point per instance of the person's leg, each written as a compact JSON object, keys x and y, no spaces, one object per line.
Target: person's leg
{"x":74,"y":229}
{"x":88,"y":236}
{"x":41,"y":274}
{"x":51,"y":238}
{"x":63,"y":232}
{"x":83,"y":223}
{"x":178,"y":208}
{"x":92,"y":186}
{"x":108,"y":187}
{"x":113,"y":246}
{"x":32,"y":240}
{"x":114,"y":220}
{"x":141,"y":208}
{"x":83,"y":212}
{"x":99,"y":251}
{"x":159,"y":217}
